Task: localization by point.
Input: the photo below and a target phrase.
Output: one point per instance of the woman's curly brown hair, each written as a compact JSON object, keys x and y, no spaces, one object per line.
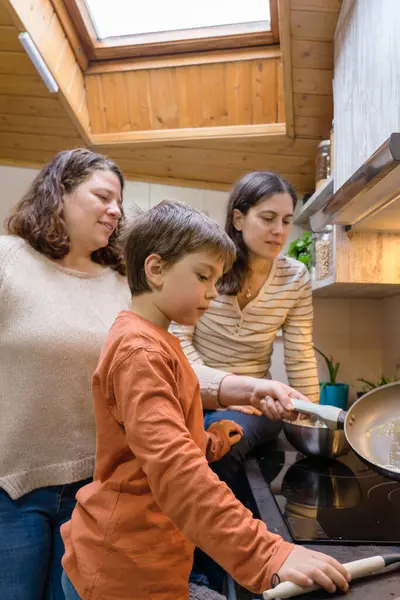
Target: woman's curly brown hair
{"x":38,"y":216}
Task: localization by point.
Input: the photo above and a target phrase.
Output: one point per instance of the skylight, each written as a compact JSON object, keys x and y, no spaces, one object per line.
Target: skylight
{"x":117,"y":18}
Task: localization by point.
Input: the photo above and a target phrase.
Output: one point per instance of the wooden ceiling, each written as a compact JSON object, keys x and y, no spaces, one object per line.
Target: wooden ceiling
{"x":35,"y":124}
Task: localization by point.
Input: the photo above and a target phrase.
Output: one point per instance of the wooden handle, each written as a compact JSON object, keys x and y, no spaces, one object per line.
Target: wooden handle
{"x":357,"y":568}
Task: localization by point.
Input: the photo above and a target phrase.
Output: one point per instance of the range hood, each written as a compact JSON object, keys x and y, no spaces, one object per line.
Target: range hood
{"x":370,"y":199}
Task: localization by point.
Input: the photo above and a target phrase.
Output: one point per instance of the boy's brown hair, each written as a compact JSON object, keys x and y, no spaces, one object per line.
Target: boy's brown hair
{"x":171,"y":229}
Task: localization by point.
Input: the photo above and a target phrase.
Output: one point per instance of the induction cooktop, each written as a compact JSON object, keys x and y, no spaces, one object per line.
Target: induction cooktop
{"x":333,"y":501}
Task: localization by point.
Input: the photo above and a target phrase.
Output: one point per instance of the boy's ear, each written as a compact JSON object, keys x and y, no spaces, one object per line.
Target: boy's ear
{"x":154,"y":270}
{"x":237,"y":219}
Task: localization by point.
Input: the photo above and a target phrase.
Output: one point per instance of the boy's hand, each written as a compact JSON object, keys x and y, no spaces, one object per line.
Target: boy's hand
{"x":306,"y":567}
{"x":232,"y":430}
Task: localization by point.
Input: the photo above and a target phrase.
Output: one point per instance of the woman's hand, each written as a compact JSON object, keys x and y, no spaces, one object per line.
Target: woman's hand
{"x":230,"y":428}
{"x":306,"y":567}
{"x":273,"y":399}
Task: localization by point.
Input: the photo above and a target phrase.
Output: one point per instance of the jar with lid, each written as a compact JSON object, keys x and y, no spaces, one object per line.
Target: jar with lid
{"x":323,"y":254}
{"x":323,"y":163}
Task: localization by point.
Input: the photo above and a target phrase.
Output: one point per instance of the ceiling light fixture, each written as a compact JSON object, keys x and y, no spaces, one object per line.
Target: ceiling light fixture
{"x":38,"y":62}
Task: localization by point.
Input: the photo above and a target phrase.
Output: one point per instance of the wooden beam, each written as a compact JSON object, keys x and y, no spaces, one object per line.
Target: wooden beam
{"x":37,"y":125}
{"x":207,"y":157}
{"x":19,"y":85}
{"x":274,"y":17}
{"x":321,"y":5}
{"x":71,"y":33}
{"x":28,"y":106}
{"x":313,"y":105}
{"x":312,"y":81}
{"x":313,"y":25}
{"x":312,"y":55}
{"x":285,"y":38}
{"x":183,"y":60}
{"x":176,"y":135}
{"x":9,"y":41}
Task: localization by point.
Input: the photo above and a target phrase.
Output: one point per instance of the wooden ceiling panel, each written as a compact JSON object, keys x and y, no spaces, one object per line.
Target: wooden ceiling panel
{"x":312,"y":27}
{"x":34,"y":124}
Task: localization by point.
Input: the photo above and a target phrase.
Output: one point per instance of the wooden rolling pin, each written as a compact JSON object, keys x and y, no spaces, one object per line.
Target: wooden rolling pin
{"x":357,"y":568}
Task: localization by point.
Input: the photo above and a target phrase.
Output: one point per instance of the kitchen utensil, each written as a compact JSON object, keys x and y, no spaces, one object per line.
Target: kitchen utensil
{"x":371,"y":426}
{"x":356,"y":568}
{"x":315,"y":440}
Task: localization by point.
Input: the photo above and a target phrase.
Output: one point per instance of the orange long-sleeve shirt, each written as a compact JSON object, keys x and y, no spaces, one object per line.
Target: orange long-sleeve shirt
{"x":154,"y":497}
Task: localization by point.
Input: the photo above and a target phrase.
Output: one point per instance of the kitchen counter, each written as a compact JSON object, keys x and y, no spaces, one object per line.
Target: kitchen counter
{"x":383,"y":586}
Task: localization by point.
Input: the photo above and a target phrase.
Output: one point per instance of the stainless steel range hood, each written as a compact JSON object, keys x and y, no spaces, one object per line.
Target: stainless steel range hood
{"x":370,"y":199}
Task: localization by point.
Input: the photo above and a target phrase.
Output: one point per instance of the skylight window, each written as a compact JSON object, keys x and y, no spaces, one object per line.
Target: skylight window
{"x":120,"y":29}
{"x":164,"y":20}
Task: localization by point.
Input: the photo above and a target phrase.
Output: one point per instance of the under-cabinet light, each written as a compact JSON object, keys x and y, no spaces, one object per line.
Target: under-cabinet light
{"x":38,"y":62}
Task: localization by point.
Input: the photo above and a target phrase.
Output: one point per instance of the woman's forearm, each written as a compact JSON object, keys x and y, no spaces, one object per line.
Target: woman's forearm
{"x":236,"y":390}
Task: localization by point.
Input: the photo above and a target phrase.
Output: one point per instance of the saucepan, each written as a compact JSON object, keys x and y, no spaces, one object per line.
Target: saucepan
{"x":371,"y":427}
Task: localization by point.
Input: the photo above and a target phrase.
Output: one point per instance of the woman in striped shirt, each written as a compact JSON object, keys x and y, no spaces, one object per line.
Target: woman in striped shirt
{"x":263,"y":293}
{"x":230,"y":348}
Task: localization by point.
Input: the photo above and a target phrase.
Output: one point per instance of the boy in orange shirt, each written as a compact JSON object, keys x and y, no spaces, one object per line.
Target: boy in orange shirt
{"x":154,"y":497}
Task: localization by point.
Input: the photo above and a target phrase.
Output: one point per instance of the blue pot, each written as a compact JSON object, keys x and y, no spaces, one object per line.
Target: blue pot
{"x":335,"y":395}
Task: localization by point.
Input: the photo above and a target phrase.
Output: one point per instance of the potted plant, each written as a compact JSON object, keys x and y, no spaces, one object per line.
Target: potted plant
{"x":371,"y":385}
{"x":332,"y":392}
{"x":300,"y":249}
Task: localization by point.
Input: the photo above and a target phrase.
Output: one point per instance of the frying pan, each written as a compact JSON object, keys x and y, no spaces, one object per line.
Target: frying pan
{"x":371,"y":426}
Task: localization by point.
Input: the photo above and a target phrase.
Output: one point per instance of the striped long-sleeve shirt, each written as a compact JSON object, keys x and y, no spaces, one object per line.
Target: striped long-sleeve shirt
{"x":228,"y":339}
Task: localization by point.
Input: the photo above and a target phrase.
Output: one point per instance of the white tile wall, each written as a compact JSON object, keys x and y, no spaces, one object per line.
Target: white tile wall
{"x":363,"y":335}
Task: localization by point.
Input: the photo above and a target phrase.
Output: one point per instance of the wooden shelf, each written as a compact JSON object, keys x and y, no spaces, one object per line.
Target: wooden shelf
{"x":315,"y":203}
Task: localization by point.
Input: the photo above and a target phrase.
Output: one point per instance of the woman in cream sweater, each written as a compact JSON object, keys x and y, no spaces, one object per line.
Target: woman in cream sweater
{"x":61,"y":286}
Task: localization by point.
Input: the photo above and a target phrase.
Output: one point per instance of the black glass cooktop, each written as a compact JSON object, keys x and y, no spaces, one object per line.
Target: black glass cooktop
{"x":334,"y":501}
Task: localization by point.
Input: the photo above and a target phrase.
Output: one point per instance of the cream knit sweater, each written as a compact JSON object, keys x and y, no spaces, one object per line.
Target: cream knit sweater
{"x":53,"y":323}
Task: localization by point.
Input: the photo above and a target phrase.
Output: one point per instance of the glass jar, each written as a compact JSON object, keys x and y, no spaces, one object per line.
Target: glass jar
{"x":323,"y":163}
{"x":323,"y":254}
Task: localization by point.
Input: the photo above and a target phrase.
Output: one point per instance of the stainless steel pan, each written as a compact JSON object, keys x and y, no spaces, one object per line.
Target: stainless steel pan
{"x":371,"y":426}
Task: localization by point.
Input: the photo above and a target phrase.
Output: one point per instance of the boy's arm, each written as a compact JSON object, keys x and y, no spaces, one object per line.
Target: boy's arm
{"x":198,"y":503}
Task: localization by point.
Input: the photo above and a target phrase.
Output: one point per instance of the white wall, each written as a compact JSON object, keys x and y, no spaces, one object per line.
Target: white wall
{"x":363,"y":335}
{"x":14,"y":181}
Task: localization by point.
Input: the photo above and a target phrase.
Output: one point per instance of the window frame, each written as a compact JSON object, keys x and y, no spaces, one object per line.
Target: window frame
{"x":124,"y":47}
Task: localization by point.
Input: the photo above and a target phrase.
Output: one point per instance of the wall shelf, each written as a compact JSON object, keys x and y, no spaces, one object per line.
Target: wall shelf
{"x":319,"y":198}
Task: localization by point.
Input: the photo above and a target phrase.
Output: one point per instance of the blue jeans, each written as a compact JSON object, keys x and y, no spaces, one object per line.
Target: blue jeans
{"x":69,"y":590}
{"x":31,"y":546}
{"x":257,"y":431}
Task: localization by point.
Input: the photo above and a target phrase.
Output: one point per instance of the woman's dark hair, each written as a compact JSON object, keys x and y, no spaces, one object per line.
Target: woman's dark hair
{"x":248,"y":191}
{"x":38,"y":216}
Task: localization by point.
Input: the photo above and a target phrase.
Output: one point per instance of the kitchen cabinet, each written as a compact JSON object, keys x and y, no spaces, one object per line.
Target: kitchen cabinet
{"x":362,"y":200}
{"x":361,"y":250}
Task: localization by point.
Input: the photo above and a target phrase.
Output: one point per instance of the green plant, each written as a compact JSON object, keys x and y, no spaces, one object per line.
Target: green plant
{"x":371,"y":385}
{"x":333,"y":367}
{"x":300,"y":249}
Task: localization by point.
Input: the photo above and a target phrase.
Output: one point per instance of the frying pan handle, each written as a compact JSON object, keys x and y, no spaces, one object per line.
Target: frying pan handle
{"x":328,"y":414}
{"x":357,"y":568}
